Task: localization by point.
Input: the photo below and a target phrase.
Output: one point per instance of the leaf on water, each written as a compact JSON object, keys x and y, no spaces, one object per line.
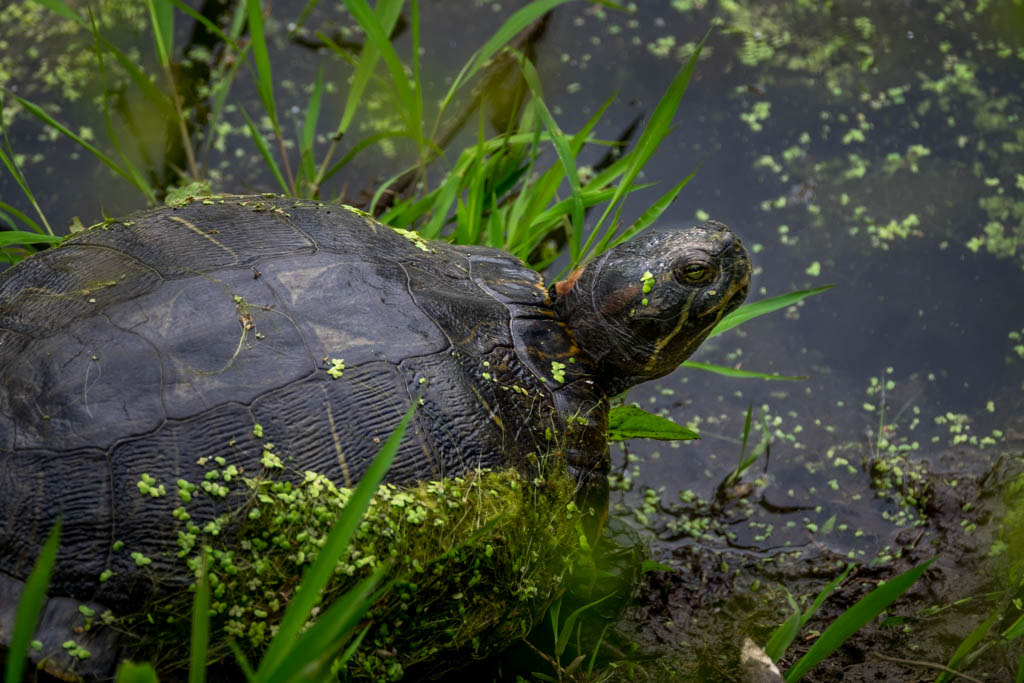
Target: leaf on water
{"x":631,"y":422}
{"x":758,"y":308}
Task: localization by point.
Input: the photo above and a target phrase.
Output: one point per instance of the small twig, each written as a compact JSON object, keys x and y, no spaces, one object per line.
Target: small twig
{"x":550,"y":660}
{"x":927,"y":665}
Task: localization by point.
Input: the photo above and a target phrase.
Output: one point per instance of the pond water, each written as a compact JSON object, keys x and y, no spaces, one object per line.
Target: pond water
{"x":874,"y":146}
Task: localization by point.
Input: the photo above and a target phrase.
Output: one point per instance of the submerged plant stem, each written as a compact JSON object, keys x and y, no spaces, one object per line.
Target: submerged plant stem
{"x":927,"y":665}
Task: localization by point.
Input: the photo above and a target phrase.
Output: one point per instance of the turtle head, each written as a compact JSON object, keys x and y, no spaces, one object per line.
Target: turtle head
{"x":642,"y":308}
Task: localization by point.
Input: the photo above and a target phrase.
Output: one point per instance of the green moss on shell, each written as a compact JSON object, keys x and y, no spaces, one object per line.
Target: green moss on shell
{"x":476,"y":560}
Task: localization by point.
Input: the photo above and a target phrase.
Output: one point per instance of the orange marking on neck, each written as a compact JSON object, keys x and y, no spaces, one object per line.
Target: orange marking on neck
{"x":562,"y":288}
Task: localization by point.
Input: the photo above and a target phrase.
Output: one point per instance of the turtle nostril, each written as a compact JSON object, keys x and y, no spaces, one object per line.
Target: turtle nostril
{"x":727,"y":242}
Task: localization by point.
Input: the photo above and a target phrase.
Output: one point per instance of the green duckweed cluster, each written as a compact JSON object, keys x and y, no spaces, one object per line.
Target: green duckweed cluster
{"x":474,"y":560}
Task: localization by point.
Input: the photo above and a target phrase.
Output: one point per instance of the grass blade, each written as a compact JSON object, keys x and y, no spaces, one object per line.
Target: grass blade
{"x":561,"y":143}
{"x":368,"y":141}
{"x":732,"y":372}
{"x":30,"y":605}
{"x":387,"y":13}
{"x":261,"y":145}
{"x":353,"y":647}
{"x":315,"y":648}
{"x":13,"y":216}
{"x":130,"y":672}
{"x":307,"y":137}
{"x":200,"y":630}
{"x":823,"y":595}
{"x":140,"y":180}
{"x":224,"y":79}
{"x":783,"y":636}
{"x":530,"y":206}
{"x":261,"y":58}
{"x":56,"y":125}
{"x":866,"y":609}
{"x":759,"y":308}
{"x":8,"y":158}
{"x":743,"y":461}
{"x":439,"y":211}
{"x":317,"y":576}
{"x":161,"y":16}
{"x":654,"y":212}
{"x":570,"y":624}
{"x":59,"y":7}
{"x":210,"y":26}
{"x":967,"y":645}
{"x":375,"y":34}
{"x":512,"y":26}
{"x":654,"y":132}
{"x":141,"y":80}
{"x":241,"y":660}
{"x":11,"y":237}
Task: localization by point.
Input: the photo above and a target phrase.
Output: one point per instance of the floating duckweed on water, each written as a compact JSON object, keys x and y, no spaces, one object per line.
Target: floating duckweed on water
{"x":147,"y":485}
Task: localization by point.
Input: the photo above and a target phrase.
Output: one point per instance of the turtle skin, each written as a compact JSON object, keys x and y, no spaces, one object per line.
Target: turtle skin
{"x":149,"y":345}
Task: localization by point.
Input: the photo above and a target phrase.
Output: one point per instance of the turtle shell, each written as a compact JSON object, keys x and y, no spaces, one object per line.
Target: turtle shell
{"x":234,"y":327}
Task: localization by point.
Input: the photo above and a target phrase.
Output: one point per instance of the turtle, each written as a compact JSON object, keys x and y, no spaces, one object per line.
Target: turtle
{"x":139,"y":349}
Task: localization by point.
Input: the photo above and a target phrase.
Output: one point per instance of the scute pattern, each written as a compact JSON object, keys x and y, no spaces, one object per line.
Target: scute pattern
{"x":147,"y":347}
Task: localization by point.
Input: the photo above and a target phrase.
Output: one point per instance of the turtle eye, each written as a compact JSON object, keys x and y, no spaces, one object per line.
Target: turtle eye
{"x":695,"y":273}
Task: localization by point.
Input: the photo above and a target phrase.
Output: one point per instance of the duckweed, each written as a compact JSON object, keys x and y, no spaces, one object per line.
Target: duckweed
{"x":475,"y":559}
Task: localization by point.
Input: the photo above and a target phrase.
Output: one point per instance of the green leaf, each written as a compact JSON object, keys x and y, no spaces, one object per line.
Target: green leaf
{"x":61,"y":8}
{"x":570,"y":623}
{"x":53,"y":123}
{"x":654,"y":132}
{"x":784,"y":635}
{"x":631,"y":422}
{"x":565,"y":155}
{"x":654,"y":212}
{"x":210,"y":26}
{"x":307,"y":137}
{"x":387,"y":13}
{"x":12,"y":237}
{"x":652,"y":566}
{"x":200,"y":630}
{"x":759,"y":308}
{"x":1015,"y":630}
{"x":8,"y":159}
{"x":410,"y":107}
{"x":319,"y":574}
{"x":130,"y":672}
{"x":732,"y":372}
{"x":519,"y":20}
{"x":261,"y":57}
{"x":824,"y":593}
{"x":12,"y":215}
{"x":967,"y":645}
{"x":866,"y":609}
{"x":161,"y":16}
{"x":139,"y":180}
{"x":30,"y":605}
{"x":314,"y":650}
{"x":261,"y":145}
